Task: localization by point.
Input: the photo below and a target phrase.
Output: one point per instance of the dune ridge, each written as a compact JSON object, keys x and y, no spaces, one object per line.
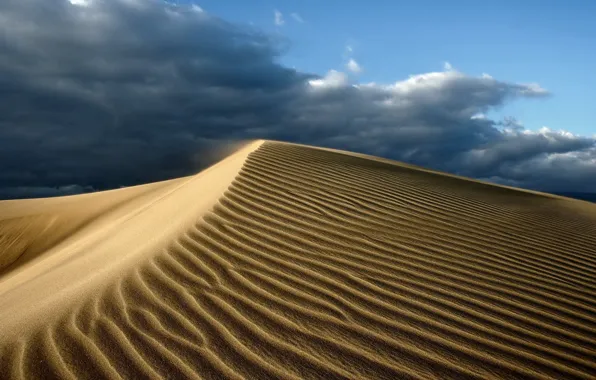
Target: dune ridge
{"x":303,"y":262}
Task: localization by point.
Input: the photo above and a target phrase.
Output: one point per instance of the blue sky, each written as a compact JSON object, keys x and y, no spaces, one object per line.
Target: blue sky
{"x":552,"y":43}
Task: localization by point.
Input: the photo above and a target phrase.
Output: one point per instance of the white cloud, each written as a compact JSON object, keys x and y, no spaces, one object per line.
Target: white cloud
{"x":81,"y":3}
{"x":533,"y":89}
{"x":353,"y":66}
{"x":447,"y":66}
{"x":333,"y":79}
{"x":427,"y":81}
{"x":196,"y":8}
{"x":349,"y":49}
{"x":278,"y":18}
{"x":297,"y":17}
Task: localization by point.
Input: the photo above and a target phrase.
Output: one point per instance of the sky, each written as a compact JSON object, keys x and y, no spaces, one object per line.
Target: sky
{"x":100,"y":94}
{"x":551,"y":42}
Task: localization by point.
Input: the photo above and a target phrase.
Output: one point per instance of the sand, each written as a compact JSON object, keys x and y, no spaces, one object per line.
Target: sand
{"x":288,"y":261}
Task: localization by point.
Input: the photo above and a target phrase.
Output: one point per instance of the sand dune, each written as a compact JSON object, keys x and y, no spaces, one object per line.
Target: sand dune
{"x":286,"y":261}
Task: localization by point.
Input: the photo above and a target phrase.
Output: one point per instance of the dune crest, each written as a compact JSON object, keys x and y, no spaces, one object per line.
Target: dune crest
{"x":288,"y":261}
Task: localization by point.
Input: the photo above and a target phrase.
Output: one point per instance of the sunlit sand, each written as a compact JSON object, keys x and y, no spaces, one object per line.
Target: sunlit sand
{"x":288,"y":261}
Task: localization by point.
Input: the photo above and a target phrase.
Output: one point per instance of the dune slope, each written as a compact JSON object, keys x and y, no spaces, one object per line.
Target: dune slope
{"x":287,"y":261}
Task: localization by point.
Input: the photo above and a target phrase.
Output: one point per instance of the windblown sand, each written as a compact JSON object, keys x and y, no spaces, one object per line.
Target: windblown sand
{"x":286,"y":261}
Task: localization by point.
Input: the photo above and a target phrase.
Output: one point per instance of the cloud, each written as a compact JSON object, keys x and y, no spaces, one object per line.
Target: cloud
{"x":515,"y":146}
{"x":353,"y":66}
{"x":333,"y":79}
{"x":122,"y":92}
{"x":82,"y":3}
{"x":297,"y":17}
{"x":196,"y":8}
{"x":278,"y":18}
{"x":512,"y":123}
{"x":534,"y":89}
{"x":447,"y":66}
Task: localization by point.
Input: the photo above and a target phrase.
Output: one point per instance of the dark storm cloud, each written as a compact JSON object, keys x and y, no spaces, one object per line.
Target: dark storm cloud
{"x":122,"y":92}
{"x":117,"y":92}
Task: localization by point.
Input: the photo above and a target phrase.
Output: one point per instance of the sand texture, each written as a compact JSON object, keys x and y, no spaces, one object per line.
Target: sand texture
{"x":287,"y":262}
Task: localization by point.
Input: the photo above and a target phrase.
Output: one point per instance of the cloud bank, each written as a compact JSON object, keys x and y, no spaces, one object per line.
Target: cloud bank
{"x":99,"y":94}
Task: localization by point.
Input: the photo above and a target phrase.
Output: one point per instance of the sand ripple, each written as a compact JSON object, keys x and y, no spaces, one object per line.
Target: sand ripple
{"x":317,"y":264}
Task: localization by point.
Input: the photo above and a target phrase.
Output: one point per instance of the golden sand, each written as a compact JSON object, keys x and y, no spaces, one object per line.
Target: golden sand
{"x":287,"y":261}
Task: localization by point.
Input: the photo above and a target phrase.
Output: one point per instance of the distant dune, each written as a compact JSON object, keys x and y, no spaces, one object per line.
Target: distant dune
{"x":287,"y":261}
{"x":590,"y":197}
